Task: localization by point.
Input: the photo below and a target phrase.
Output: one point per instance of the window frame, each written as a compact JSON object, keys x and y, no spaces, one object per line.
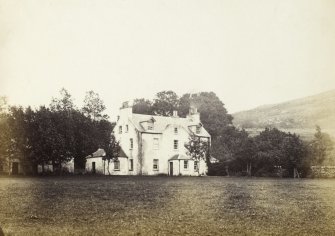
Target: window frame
{"x":155,"y":163}
{"x":175,"y":130}
{"x":175,"y":144}
{"x":116,"y":161}
{"x":120,"y":129}
{"x":131,"y":143}
{"x":127,"y":129}
{"x":198,"y":129}
{"x":186,"y":164}
{"x":196,"y":166}
{"x":156,"y":143}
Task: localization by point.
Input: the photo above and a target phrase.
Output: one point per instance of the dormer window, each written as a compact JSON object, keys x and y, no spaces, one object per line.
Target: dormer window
{"x":150,"y":126}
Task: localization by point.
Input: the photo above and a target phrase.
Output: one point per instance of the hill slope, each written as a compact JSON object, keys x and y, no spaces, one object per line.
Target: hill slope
{"x":300,"y":115}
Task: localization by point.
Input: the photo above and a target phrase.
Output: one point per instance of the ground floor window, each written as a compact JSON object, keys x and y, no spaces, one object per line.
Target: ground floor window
{"x":117,"y":165}
{"x":131,"y":164}
{"x":185,"y":165}
{"x":195,"y":166}
{"x":155,"y":164}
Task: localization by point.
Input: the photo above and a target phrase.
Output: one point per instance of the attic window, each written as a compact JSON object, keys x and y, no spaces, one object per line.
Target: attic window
{"x":197,"y":130}
{"x":127,"y":128}
{"x":150,"y":126}
{"x":175,"y":130}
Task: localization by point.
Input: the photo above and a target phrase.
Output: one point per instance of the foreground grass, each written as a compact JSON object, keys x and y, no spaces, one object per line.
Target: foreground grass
{"x":166,"y":206}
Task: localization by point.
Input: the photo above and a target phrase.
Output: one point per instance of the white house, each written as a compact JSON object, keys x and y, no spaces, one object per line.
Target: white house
{"x":153,"y":145}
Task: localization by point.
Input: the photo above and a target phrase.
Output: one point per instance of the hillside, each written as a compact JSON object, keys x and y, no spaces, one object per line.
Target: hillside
{"x":299,"y":116}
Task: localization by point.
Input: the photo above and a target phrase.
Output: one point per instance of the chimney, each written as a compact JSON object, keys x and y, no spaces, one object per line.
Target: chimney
{"x":194,"y":115}
{"x":175,"y":113}
{"x":126,"y":111}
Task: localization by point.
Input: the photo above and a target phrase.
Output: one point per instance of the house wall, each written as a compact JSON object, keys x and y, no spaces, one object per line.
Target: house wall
{"x":143,"y":152}
{"x":124,"y":139}
{"x":178,"y":168}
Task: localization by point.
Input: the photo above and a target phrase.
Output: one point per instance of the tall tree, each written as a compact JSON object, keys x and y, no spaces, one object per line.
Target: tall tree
{"x":142,"y":106}
{"x":64,"y":103}
{"x":165,"y":103}
{"x":94,"y":106}
{"x":321,"y":146}
{"x":198,"y":149}
{"x":112,"y":149}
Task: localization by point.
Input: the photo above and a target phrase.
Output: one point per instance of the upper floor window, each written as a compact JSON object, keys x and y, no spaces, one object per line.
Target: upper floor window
{"x":175,"y":144}
{"x":131,"y":143}
{"x":120,"y":129}
{"x":197,"y":129}
{"x":127,"y":128}
{"x":185,"y":165}
{"x":156,"y":143}
{"x":175,"y":130}
{"x":117,"y":165}
{"x":155,"y":164}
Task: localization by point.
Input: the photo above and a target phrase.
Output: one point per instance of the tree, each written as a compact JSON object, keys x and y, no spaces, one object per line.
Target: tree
{"x":5,"y":139}
{"x":165,"y":103}
{"x":198,"y":149}
{"x":142,"y":106}
{"x":64,"y":103}
{"x":321,"y":146}
{"x":94,"y":106}
{"x":112,"y":149}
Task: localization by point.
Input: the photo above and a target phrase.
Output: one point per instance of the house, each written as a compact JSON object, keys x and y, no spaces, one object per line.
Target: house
{"x":11,"y":166}
{"x":153,"y":145}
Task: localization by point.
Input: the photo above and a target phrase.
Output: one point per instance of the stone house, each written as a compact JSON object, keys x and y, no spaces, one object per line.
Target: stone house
{"x":153,"y":145}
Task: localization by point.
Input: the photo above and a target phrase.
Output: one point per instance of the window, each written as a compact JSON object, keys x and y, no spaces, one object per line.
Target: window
{"x":155,"y":164}
{"x":197,"y":130}
{"x":127,"y":128}
{"x":116,"y":165}
{"x":131,"y":143}
{"x":131,"y":164}
{"x":150,"y":126}
{"x":185,"y":165}
{"x":175,"y":144}
{"x":195,"y":166}
{"x":120,"y":129}
{"x":175,"y":130}
{"x":156,"y":143}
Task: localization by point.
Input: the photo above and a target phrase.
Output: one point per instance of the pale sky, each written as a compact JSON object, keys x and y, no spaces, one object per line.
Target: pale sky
{"x":249,"y":52}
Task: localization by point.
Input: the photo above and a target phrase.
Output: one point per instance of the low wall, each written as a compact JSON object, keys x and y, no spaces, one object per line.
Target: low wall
{"x":323,"y":171}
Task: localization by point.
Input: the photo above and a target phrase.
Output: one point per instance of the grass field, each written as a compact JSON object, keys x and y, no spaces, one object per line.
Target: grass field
{"x":166,"y":206}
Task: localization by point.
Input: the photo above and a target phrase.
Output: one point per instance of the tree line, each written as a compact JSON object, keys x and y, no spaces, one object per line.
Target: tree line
{"x":53,"y":134}
{"x":57,"y":133}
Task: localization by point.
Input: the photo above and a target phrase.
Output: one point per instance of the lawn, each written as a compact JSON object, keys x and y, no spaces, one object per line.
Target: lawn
{"x":166,"y":206}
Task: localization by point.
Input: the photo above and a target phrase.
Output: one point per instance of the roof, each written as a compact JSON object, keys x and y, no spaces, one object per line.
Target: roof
{"x":101,"y":153}
{"x":180,"y":157}
{"x":163,"y":122}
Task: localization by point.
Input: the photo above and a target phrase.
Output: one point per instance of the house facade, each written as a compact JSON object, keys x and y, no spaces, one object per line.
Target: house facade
{"x":153,"y":145}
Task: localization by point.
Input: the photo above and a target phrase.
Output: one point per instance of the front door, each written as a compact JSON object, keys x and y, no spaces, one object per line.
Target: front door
{"x":171,"y":168}
{"x":15,"y":168}
{"x":93,"y":167}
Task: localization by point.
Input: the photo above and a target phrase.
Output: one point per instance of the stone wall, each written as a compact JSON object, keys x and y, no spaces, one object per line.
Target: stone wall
{"x":323,"y":171}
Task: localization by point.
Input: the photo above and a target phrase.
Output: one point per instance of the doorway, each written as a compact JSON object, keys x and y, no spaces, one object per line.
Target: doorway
{"x":93,"y":167}
{"x":171,"y":168}
{"x":15,"y":168}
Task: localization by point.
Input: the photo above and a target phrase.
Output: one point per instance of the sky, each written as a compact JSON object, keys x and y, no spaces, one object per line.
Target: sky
{"x":249,"y":52}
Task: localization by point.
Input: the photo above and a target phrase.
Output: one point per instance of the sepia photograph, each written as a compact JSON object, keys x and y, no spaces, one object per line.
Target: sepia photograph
{"x":167,"y":117}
